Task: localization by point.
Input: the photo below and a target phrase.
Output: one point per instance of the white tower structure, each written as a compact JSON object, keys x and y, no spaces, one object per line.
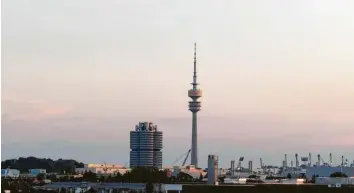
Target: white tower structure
{"x":194,"y":107}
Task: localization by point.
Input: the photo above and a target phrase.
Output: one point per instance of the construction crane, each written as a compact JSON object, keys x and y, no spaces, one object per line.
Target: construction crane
{"x":344,"y":161}
{"x":185,"y":159}
{"x":239,"y":166}
{"x":263,"y":167}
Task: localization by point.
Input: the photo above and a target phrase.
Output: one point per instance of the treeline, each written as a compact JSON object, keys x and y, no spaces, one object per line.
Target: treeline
{"x":58,"y":166}
{"x":22,"y":185}
{"x":136,"y":175}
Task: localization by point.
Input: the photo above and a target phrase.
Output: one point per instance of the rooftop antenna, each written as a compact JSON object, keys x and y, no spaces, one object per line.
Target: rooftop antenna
{"x":195,"y":67}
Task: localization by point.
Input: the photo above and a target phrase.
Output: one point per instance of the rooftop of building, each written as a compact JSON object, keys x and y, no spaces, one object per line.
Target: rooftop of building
{"x":145,"y":126}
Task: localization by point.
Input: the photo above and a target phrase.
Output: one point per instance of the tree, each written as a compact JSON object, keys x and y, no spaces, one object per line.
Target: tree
{"x":102,"y":178}
{"x":201,"y":177}
{"x":144,"y":175}
{"x":184,"y":177}
{"x":313,"y":179}
{"x":221,"y":179}
{"x":118,"y":177}
{"x":53,"y":178}
{"x":64,"y":179}
{"x":40,"y":177}
{"x":289,"y":176}
{"x":109,"y":178}
{"x":149,"y":187}
{"x":252,"y":176}
{"x":89,"y":176}
{"x":338,"y":175}
{"x":25,"y":164}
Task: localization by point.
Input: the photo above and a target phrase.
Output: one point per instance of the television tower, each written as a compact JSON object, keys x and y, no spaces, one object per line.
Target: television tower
{"x":194,"y":107}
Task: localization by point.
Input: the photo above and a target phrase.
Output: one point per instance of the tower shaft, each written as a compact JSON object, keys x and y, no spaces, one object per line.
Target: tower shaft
{"x":194,"y":152}
{"x":194,"y":107}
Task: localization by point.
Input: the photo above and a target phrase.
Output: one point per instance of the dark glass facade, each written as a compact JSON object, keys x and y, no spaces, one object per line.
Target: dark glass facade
{"x":146,"y":146}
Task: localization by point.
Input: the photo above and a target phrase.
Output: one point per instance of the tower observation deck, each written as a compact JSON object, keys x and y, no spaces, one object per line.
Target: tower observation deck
{"x":194,"y":106}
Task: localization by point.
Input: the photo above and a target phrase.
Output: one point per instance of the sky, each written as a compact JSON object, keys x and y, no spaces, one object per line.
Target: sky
{"x":277,"y":77}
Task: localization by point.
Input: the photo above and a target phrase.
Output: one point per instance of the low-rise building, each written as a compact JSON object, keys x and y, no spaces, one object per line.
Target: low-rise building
{"x":10,"y":173}
{"x":102,"y":169}
{"x":35,"y":172}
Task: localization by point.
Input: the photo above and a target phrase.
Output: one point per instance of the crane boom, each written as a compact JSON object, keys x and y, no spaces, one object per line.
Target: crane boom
{"x":185,"y":159}
{"x":181,"y":156}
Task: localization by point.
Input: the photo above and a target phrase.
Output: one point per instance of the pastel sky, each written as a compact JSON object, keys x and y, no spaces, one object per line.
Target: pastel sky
{"x":277,"y":76}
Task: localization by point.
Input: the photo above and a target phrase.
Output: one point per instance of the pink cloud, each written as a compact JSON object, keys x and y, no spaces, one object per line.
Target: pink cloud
{"x":31,"y":110}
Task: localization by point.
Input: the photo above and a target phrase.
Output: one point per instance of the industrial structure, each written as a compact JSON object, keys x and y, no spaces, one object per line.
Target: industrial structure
{"x":318,"y":168}
{"x":250,"y":166}
{"x":213,"y":169}
{"x":146,"y":146}
{"x":185,"y":155}
{"x":194,"y":107}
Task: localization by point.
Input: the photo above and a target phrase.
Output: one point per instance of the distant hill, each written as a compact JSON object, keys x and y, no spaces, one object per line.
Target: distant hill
{"x":58,"y":166}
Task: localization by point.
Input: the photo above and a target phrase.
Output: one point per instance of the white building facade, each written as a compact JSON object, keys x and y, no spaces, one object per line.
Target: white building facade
{"x":102,"y":169}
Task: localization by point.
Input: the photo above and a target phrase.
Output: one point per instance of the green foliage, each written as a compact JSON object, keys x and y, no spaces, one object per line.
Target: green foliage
{"x":58,"y":166}
{"x":289,"y":176}
{"x":149,"y":187}
{"x":144,"y":175}
{"x":40,"y":177}
{"x":183,"y":177}
{"x":15,"y":185}
{"x":338,"y":175}
{"x":52,"y":178}
{"x":136,"y":175}
{"x":89,"y":176}
{"x":221,"y":179}
{"x":253,"y":176}
{"x":273,"y":178}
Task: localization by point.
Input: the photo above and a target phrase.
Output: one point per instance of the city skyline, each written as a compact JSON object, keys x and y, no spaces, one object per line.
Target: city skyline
{"x":277,"y":78}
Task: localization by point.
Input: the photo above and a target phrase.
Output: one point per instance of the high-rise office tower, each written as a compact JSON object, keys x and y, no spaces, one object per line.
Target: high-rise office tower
{"x":146,"y":146}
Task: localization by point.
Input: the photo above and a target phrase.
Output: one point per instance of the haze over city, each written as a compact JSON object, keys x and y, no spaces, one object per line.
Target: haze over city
{"x":277,"y":77}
